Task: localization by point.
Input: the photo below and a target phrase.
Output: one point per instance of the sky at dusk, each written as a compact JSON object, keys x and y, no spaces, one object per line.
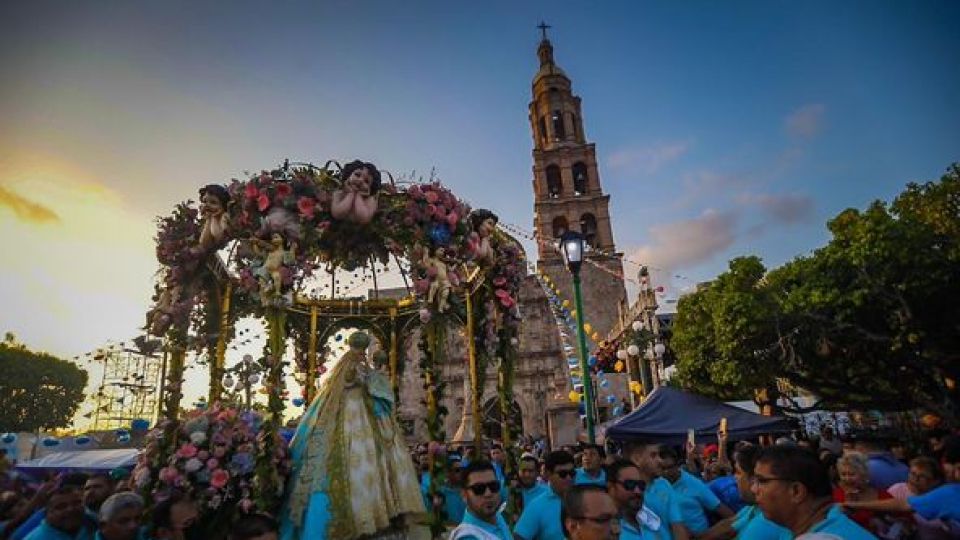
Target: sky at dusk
{"x":722,"y":128}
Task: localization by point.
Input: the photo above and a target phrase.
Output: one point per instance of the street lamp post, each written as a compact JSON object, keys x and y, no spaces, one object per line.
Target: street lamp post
{"x":571,"y":245}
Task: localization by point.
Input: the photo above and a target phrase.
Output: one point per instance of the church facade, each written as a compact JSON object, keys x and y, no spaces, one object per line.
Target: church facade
{"x":567,"y":196}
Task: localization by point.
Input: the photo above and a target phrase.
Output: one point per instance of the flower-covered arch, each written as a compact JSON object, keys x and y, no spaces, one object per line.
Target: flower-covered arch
{"x":254,"y":246}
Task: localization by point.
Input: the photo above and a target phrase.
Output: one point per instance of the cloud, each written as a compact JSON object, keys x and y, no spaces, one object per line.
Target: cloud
{"x":646,"y":159}
{"x":25,"y":209}
{"x":689,"y":242}
{"x":787,"y":209}
{"x":806,"y":121}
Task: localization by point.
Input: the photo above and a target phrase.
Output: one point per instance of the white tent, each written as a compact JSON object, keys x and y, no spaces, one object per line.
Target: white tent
{"x":83,"y":460}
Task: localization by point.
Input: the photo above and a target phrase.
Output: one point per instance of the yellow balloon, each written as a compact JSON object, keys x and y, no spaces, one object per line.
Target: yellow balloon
{"x":587,"y":328}
{"x":574,"y":397}
{"x":595,"y":336}
{"x":565,"y":303}
{"x":573,"y":313}
{"x":618,"y":366}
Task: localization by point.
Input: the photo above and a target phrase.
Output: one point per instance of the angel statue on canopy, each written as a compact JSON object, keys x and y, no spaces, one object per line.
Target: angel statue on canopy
{"x":352,"y":477}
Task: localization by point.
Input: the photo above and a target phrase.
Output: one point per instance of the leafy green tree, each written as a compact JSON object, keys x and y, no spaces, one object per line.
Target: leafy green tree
{"x":871,"y":320}
{"x":37,"y":391}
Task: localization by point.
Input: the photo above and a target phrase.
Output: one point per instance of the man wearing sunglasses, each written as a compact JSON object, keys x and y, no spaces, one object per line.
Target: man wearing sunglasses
{"x":659,"y":496}
{"x":540,"y":519}
{"x":481,"y":491}
{"x":636,"y":521}
{"x":589,"y":514}
{"x":793,"y":489}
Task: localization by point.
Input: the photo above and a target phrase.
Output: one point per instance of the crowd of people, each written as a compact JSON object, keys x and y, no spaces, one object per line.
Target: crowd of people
{"x":822,"y":489}
{"x":811,"y":489}
{"x":102,"y":507}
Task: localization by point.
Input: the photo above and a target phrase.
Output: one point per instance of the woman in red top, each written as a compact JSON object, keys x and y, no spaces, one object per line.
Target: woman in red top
{"x":855,"y":486}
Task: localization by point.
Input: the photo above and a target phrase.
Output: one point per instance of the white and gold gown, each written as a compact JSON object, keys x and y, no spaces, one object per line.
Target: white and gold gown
{"x":352,"y":476}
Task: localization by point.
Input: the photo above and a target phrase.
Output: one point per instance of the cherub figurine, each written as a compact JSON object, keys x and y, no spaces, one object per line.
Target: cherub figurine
{"x":277,"y":256}
{"x":216,"y":221}
{"x":484,"y":223}
{"x":440,"y":281}
{"x":356,"y":201}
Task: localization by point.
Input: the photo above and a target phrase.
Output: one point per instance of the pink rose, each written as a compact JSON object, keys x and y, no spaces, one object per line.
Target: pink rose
{"x":187,"y":451}
{"x":283,"y":190}
{"x":414,"y":192}
{"x":431,"y":210}
{"x":499,"y":282}
{"x":219,"y":478}
{"x":432,"y":197}
{"x":168,"y":475}
{"x":307,"y":205}
{"x":263,"y":202}
{"x":251,"y":192}
{"x":453,"y":219}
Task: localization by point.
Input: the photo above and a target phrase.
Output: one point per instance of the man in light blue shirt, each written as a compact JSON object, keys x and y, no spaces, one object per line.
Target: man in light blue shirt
{"x":540,"y":520}
{"x":65,"y":518}
{"x":481,"y":491}
{"x":793,"y":489}
{"x":592,"y":471}
{"x":627,"y":489}
{"x":659,"y":496}
{"x":528,"y":476}
{"x":749,"y":523}
{"x":693,"y":496}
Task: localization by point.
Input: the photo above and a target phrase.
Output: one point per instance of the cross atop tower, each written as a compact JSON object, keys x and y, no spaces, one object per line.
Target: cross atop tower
{"x":543,"y":29}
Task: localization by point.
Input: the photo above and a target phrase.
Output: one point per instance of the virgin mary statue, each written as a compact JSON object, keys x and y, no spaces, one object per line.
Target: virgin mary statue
{"x":352,"y":475}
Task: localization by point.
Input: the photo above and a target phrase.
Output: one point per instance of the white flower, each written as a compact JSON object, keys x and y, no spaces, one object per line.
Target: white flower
{"x":193,"y":465}
{"x":198,"y":437}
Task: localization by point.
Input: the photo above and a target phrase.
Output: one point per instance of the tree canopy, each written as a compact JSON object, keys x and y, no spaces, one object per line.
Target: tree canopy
{"x":870,"y":320}
{"x":37,"y":391}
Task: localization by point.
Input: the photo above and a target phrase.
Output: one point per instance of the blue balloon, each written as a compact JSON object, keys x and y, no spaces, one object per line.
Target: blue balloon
{"x":8,"y":438}
{"x":617,"y":410}
{"x":82,"y":440}
{"x":297,"y":402}
{"x":604,"y":383}
{"x":439,"y":234}
{"x":50,"y":442}
{"x":123,"y":439}
{"x":611,"y":399}
{"x":287,"y":434}
{"x":140,"y":424}
{"x":592,"y":361}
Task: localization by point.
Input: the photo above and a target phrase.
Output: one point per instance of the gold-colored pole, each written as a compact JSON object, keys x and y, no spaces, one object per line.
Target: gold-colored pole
{"x":312,"y":364}
{"x":474,"y":375}
{"x":220,"y":356}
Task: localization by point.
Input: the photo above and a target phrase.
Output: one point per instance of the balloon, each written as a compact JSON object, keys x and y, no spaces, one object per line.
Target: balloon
{"x":50,"y":442}
{"x":592,"y":361}
{"x":123,"y":439}
{"x":611,"y":399}
{"x":566,"y":304}
{"x":297,"y":402}
{"x":633,"y":350}
{"x":587,"y":328}
{"x":617,"y":411}
{"x":604,"y":384}
{"x":618,"y":366}
{"x":574,"y":396}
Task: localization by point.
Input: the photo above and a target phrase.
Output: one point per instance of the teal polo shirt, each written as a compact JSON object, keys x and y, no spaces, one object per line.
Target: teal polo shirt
{"x":501,"y":530}
{"x":584,"y":478}
{"x":837,"y":523}
{"x":751,"y":524}
{"x":541,"y":519}
{"x":644,"y":531}
{"x":529,"y":494}
{"x":661,"y":498}
{"x":694,"y":498}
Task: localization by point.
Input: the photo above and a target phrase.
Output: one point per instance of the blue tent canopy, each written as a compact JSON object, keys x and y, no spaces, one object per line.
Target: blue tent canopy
{"x":82,"y":460}
{"x":667,"y":414}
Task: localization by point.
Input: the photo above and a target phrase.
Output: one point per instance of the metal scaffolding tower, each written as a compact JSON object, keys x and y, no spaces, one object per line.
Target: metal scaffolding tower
{"x":129,"y":388}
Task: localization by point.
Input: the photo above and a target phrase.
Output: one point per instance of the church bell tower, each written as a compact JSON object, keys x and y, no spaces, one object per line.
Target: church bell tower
{"x":568,"y":194}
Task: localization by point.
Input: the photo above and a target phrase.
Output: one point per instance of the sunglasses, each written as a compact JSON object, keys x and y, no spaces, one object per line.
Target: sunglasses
{"x":568,"y":473}
{"x":633,"y":485}
{"x":480,"y":489}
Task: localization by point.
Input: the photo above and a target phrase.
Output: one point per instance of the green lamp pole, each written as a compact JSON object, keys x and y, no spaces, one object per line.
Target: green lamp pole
{"x":571,"y":245}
